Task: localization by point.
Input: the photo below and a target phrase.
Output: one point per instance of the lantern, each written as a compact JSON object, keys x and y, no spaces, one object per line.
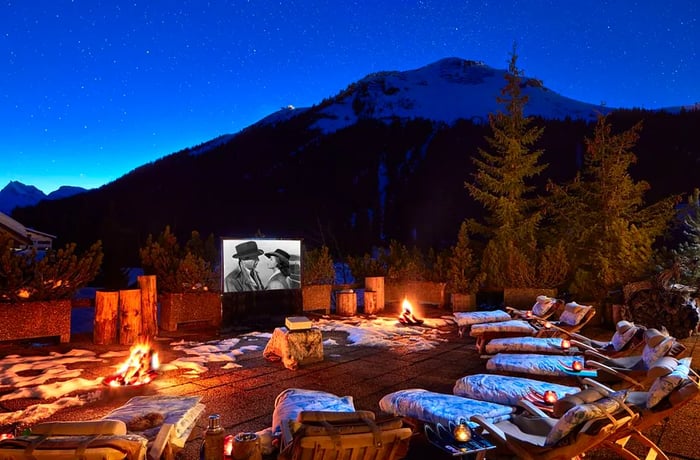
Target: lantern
{"x":565,"y":344}
{"x":462,"y":432}
{"x":577,"y":365}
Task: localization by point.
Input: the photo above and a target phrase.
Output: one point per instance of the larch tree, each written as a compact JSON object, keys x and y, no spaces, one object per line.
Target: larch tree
{"x":502,"y":183}
{"x":602,"y":218}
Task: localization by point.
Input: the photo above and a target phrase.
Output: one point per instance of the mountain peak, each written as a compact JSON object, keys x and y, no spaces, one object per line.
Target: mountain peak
{"x":16,"y":194}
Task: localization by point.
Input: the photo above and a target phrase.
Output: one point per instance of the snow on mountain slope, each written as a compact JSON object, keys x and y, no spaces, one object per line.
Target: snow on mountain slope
{"x":447,"y":90}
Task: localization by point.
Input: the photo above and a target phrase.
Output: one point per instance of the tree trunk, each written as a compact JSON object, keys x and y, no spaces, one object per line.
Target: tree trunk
{"x":129,"y":316}
{"x":105,"y":330}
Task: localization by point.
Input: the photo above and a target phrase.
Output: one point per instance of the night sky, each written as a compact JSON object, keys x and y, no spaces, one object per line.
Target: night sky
{"x":90,"y":90}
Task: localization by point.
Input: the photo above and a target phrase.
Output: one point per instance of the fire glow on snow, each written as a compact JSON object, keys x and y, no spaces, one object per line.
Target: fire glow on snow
{"x":26,"y":376}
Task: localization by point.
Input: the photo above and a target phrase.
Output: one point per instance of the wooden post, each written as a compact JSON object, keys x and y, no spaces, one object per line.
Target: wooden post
{"x":129,"y":316}
{"x":376,"y":284}
{"x":105,"y":330}
{"x":370,"y":302}
{"x":346,"y":303}
{"x":149,"y":306}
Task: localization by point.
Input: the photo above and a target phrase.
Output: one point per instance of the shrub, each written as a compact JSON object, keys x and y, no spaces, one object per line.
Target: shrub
{"x":178,"y":269}
{"x":56,"y":274}
{"x":317,"y":266}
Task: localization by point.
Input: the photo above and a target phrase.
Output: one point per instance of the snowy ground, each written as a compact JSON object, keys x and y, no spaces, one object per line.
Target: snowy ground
{"x":56,"y":377}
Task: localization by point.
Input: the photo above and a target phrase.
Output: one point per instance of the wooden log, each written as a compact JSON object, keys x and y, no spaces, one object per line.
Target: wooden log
{"x":129,"y":316}
{"x":149,"y":306}
{"x":346,"y":303}
{"x":105,"y":326}
{"x":376,"y":284}
{"x":370,"y":300}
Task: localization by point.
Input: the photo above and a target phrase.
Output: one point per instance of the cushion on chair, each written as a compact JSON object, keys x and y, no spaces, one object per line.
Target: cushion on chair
{"x":573,"y":313}
{"x":579,"y":414}
{"x":663,"y":386}
{"x":653,"y":353}
{"x":624,"y":331}
{"x":542,"y":305}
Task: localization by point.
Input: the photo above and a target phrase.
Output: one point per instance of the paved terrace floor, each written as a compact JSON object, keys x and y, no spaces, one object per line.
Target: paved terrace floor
{"x":245,"y":396}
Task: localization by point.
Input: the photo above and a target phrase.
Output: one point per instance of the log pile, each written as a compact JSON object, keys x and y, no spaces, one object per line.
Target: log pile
{"x":661,"y":305}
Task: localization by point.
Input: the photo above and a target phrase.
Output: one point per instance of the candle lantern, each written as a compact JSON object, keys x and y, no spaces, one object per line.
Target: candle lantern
{"x":462,"y":432}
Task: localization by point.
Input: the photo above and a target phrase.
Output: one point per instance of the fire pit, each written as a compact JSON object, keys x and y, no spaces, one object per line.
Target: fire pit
{"x":407,"y":317}
{"x":140,"y":368}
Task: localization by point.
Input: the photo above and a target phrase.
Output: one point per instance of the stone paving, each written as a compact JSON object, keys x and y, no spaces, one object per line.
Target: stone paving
{"x":245,"y":396}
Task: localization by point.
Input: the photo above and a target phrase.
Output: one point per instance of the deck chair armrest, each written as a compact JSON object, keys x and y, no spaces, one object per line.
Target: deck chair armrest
{"x":616,"y":373}
{"x":490,"y":427}
{"x":584,"y":346}
{"x":597,"y":385}
{"x":531,"y":408}
{"x":595,"y":354}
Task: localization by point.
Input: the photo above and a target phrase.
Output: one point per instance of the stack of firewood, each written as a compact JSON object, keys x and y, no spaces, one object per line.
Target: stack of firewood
{"x":658,"y":305}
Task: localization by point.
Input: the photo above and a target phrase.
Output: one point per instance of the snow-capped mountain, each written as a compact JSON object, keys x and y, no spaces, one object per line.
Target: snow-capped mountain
{"x":444,"y":91}
{"x":16,"y":194}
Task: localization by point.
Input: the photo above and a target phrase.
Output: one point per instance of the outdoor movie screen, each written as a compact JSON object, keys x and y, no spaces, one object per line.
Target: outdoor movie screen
{"x":260,"y":264}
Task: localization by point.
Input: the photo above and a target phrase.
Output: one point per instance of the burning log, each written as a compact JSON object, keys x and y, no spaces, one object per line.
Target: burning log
{"x":407,"y":317}
{"x":139,"y":369}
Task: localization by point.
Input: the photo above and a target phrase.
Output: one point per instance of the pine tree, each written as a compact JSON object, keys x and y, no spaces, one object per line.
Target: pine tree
{"x":502,"y":184}
{"x":601,"y":216}
{"x":688,"y":251}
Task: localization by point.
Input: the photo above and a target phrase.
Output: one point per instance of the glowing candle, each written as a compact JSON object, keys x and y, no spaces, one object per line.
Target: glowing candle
{"x":547,"y":325}
{"x":228,"y":445}
{"x":565,"y":344}
{"x":462,"y":433}
{"x":528,"y":313}
{"x":550,"y":397}
{"x":577,"y":365}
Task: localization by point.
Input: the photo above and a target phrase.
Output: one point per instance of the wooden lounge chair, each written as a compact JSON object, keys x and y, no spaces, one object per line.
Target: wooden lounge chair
{"x":568,"y":323}
{"x":685,"y":389}
{"x":325,"y":435}
{"x":92,"y":440}
{"x":537,"y":436}
{"x":625,"y":340}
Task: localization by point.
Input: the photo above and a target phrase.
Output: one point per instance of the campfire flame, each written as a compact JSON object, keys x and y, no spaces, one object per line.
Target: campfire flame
{"x":139,"y":369}
{"x":407,"y":316}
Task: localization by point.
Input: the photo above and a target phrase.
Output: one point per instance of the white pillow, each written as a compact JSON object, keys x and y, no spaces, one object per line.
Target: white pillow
{"x":573,"y":313}
{"x":543,"y":305}
{"x":652,"y":354}
{"x":622,"y":337}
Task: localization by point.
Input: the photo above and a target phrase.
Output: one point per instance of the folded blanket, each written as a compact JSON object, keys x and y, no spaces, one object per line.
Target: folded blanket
{"x":292,"y":401}
{"x":526,"y":344}
{"x":431,"y":407}
{"x":513,"y":325}
{"x":545,"y":365}
{"x":502,"y":389}
{"x":468,"y":318}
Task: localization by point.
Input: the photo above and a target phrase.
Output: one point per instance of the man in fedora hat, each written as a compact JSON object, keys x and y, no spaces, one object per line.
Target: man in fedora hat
{"x":244,"y":277}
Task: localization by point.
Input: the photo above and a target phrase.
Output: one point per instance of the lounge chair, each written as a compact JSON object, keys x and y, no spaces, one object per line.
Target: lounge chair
{"x":535,"y":435}
{"x":323,"y":434}
{"x":666,"y":395}
{"x":572,"y":320}
{"x":543,"y":308}
{"x":631,"y":369}
{"x":627,"y":337}
{"x":92,"y":440}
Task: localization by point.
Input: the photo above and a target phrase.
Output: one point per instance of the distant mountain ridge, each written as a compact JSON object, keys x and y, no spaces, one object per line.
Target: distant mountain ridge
{"x":386,"y":158}
{"x":16,"y":194}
